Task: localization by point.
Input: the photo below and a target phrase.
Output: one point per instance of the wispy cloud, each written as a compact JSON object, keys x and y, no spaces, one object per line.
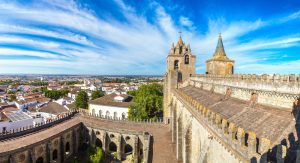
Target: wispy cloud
{"x":75,"y":40}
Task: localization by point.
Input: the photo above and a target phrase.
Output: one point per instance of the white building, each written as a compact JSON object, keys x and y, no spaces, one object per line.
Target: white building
{"x":112,"y":106}
{"x":15,"y":121}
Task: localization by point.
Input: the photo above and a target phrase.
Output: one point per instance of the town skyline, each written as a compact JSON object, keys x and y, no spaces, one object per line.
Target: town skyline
{"x":134,"y":38}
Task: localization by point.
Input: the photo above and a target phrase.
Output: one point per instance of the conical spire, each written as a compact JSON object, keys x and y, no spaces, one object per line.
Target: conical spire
{"x":220,"y":52}
{"x":180,"y":42}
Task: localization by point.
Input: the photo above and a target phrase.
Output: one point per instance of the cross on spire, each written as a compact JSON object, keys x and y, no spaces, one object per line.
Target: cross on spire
{"x":180,"y":33}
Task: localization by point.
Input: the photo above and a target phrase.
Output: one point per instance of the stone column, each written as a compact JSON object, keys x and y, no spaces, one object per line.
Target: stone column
{"x":62,"y":148}
{"x":119,"y":147}
{"x":75,"y":148}
{"x":32,"y":155}
{"x":280,"y":153}
{"x":49,"y":152}
{"x":251,"y":142}
{"x":231,"y":131}
{"x":241,"y":136}
{"x":104,"y":145}
{"x":136,"y":149}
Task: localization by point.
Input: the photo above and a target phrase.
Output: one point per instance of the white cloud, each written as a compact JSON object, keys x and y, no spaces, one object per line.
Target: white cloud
{"x":185,"y":21}
{"x":110,"y":46}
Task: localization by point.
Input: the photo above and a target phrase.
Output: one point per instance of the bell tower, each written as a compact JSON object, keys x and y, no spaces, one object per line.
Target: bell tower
{"x":180,"y":66}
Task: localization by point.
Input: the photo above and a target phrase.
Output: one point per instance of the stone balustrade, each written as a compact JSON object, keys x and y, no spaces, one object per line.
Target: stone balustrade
{"x":161,"y":120}
{"x":247,"y":143}
{"x":278,"y":91}
{"x":254,"y":77}
{"x":279,"y":83}
{"x":33,"y":128}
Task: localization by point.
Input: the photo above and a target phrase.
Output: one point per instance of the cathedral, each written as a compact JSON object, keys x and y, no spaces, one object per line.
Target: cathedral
{"x":219,"y":116}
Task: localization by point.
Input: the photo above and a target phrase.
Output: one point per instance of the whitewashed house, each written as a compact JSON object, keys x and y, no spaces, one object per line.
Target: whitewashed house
{"x":111,"y":106}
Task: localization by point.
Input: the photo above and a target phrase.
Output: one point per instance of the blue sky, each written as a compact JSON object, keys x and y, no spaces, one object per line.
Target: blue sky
{"x":134,"y":37}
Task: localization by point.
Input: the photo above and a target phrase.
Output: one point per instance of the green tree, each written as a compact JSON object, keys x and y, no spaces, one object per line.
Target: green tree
{"x":81,"y":100}
{"x":148,"y":101}
{"x":95,"y":154}
{"x":97,"y":94}
{"x":55,"y":94}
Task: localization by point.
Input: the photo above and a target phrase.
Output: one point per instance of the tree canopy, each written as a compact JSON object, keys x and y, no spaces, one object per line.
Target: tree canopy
{"x":95,"y":154}
{"x":148,"y":101}
{"x":81,"y":100}
{"x":97,"y":94}
{"x":55,"y":94}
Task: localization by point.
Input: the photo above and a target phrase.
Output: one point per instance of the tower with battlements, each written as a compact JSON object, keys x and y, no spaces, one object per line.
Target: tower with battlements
{"x":180,"y":66}
{"x":220,"y":64}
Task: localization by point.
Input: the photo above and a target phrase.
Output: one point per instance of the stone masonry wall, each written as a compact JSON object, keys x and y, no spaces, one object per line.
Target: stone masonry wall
{"x":275,"y":90}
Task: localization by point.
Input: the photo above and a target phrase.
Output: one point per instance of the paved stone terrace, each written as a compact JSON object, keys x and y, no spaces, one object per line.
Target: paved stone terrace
{"x":35,"y":137}
{"x":267,"y":122}
{"x":163,"y":148}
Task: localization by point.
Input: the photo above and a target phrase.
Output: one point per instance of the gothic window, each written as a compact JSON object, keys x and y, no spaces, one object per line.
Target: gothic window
{"x":123,"y":116}
{"x":54,"y":155}
{"x":100,"y":113}
{"x":176,"y":63}
{"x":180,"y":50}
{"x":115,"y":115}
{"x":179,"y":78}
{"x":93,"y":111}
{"x":67,"y":148}
{"x":186,"y":59}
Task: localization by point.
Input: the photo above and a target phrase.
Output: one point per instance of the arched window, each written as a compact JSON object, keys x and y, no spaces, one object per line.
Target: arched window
{"x":179,"y":79}
{"x":100,"y":113}
{"x":176,"y":63}
{"x":93,"y":111}
{"x":67,"y":148}
{"x":54,"y":155}
{"x":128,"y":149}
{"x":186,"y":59}
{"x":98,"y":143}
{"x":123,"y":115}
{"x":107,"y":114}
{"x":112,"y":147}
{"x":115,"y":115}
{"x":40,"y":160}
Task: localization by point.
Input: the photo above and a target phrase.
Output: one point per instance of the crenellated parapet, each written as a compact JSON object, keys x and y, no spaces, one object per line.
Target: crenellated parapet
{"x":245,"y":145}
{"x":276,"y":90}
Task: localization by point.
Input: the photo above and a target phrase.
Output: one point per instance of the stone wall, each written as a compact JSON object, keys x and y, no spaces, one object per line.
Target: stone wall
{"x":275,"y":90}
{"x":52,"y":149}
{"x":202,"y":135}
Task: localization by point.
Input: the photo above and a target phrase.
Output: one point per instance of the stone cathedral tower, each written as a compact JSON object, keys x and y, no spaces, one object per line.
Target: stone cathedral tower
{"x":220,"y":64}
{"x":180,"y":66}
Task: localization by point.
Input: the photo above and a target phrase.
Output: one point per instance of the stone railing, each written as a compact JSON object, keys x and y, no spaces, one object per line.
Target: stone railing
{"x":34,"y":128}
{"x":161,"y":120}
{"x":244,"y":143}
{"x":278,"y":83}
{"x":278,"y":91}
{"x":254,"y":77}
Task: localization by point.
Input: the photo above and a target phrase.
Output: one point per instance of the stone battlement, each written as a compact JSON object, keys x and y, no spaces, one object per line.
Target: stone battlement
{"x":245,"y":145}
{"x":268,"y":82}
{"x":275,"y":90}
